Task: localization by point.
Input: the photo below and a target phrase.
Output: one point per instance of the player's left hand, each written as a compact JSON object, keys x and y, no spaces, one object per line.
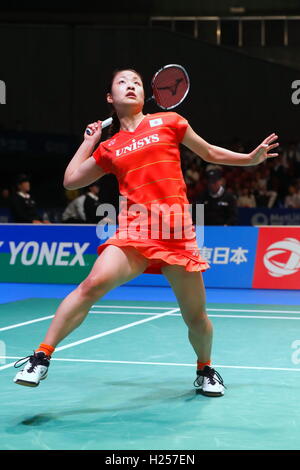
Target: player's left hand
{"x":260,"y":154}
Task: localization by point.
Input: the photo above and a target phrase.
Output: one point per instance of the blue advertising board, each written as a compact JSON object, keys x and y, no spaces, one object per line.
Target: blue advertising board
{"x":230,"y":252}
{"x":66,"y":254}
{"x":264,"y":216}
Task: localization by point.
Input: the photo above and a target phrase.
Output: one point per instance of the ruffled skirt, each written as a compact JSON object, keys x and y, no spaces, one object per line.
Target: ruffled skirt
{"x":162,"y":253}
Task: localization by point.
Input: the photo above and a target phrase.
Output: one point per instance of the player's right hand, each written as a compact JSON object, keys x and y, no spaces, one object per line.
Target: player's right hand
{"x":95,"y":129}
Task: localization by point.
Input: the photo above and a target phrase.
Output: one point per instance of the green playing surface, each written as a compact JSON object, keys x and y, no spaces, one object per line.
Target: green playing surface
{"x":124,"y":379}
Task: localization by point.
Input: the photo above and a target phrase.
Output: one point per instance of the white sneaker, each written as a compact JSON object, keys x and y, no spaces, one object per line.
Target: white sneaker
{"x":209,"y":382}
{"x":35,"y":370}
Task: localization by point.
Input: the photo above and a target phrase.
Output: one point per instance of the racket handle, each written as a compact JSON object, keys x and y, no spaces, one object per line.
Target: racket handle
{"x":105,"y":123}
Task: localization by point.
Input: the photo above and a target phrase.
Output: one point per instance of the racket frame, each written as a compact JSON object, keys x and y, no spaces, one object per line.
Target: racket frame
{"x":187,"y":90}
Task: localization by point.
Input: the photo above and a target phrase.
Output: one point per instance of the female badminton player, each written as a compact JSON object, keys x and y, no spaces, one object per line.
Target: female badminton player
{"x":143,"y":153}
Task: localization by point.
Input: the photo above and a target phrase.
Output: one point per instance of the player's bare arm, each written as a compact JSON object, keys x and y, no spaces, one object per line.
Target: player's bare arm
{"x":83,"y":170}
{"x":218,"y":155}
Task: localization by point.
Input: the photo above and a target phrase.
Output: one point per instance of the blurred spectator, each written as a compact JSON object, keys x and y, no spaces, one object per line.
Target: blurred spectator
{"x":74,"y":212}
{"x":84,"y":207}
{"x":5,"y":197}
{"x":288,"y":155}
{"x":192,"y":175}
{"x":272,"y":184}
{"x":188,"y":156}
{"x":292,"y":200}
{"x":268,"y":182}
{"x":219,"y":204}
{"x":279,"y":180}
{"x":246,"y":198}
{"x":23,"y":207}
{"x":91,"y":203}
{"x":262,"y":177}
{"x":263,"y":197}
{"x":72,"y":194}
{"x":297,"y":160}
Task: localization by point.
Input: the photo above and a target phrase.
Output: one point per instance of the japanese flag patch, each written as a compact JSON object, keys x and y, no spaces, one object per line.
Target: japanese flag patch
{"x":155,"y":122}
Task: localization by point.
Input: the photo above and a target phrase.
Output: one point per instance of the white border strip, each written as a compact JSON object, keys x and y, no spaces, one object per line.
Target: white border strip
{"x":255,"y":317}
{"x":208,"y":309}
{"x":127,"y":306}
{"x":251,"y":311}
{"x":179,"y":315}
{"x":17,"y":325}
{"x":219,"y":366}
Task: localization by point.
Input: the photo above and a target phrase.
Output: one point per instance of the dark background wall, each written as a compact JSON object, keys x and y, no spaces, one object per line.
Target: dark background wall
{"x":133,"y":10}
{"x":217,"y":7}
{"x":57,"y":76}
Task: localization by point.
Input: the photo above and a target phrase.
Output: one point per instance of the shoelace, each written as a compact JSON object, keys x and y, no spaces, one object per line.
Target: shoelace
{"x":212,"y":376}
{"x":33,"y":359}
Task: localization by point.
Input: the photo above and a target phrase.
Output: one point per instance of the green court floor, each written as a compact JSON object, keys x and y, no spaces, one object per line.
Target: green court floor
{"x":124,"y":379}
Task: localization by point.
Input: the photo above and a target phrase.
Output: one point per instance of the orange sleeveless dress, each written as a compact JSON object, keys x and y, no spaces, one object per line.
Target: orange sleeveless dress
{"x":154,"y":214}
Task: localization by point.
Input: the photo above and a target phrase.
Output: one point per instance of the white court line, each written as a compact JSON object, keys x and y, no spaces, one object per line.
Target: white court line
{"x":7,"y":366}
{"x":251,"y":311}
{"x":105,"y":333}
{"x":115,"y":330}
{"x":17,"y":325}
{"x":25,"y":323}
{"x":208,"y":309}
{"x":124,"y":306}
{"x":129,"y":313}
{"x":255,"y":317}
{"x":219,"y":366}
{"x":145,"y":314}
{"x":179,"y":315}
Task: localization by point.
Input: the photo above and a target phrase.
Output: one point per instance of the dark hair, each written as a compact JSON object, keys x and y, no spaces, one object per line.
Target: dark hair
{"x":21,"y":178}
{"x":115,"y":125}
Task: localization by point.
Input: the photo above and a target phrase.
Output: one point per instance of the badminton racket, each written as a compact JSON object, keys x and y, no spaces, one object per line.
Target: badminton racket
{"x":170,"y":85}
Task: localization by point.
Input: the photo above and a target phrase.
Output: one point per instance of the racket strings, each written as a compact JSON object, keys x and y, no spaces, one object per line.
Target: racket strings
{"x":170,"y":87}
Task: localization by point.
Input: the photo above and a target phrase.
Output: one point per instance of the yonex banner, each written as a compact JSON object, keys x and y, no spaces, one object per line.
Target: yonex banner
{"x":265,"y":257}
{"x":62,"y":254}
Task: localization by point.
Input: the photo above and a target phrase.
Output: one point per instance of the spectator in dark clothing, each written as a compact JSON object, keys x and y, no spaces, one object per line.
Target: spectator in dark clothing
{"x":91,"y":203}
{"x":219,"y":205}
{"x":23,"y":207}
{"x":279,"y":181}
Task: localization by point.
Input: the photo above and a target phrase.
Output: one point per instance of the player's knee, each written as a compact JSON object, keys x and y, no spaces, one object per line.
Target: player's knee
{"x":196,"y":321}
{"x":95,"y":286}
